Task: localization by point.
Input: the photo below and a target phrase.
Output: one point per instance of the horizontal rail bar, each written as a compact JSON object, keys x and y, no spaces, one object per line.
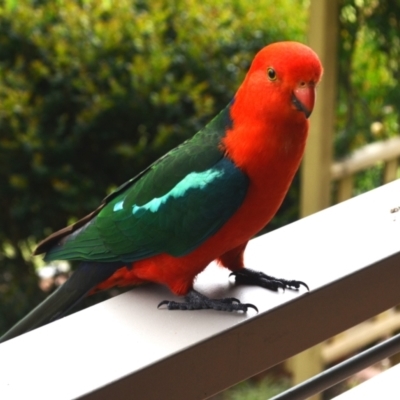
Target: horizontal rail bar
{"x":342,"y":371}
{"x":359,"y":337}
{"x":366,"y":157}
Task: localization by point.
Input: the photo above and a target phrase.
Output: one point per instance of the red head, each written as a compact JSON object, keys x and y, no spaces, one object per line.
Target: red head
{"x":271,"y":109}
{"x":282,"y":81}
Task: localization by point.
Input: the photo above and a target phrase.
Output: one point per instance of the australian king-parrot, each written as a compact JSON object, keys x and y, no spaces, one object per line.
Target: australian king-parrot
{"x":202,"y":201}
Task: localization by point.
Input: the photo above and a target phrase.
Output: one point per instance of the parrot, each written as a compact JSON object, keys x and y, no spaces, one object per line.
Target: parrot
{"x":201,"y":202}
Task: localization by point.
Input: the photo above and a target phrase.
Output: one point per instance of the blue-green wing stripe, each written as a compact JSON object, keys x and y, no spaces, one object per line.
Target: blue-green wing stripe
{"x":176,"y":222}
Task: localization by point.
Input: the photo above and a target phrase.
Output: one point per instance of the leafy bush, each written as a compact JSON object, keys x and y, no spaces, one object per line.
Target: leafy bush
{"x":369,"y":79}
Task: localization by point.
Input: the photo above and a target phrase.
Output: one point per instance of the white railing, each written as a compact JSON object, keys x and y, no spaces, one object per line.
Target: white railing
{"x":343,"y":171}
{"x":125,"y":348}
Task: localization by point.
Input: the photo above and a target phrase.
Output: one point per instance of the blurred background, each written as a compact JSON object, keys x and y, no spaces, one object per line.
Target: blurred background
{"x":91,"y":92}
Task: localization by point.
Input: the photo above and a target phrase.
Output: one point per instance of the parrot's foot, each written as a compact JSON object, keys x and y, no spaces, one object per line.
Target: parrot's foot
{"x":197,"y":301}
{"x":247,"y":276}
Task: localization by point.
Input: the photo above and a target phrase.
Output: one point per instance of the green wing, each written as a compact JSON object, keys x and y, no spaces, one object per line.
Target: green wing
{"x":172,"y":207}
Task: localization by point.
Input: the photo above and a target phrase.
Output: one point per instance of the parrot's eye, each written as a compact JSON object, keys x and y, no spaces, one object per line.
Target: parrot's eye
{"x":271,"y":74}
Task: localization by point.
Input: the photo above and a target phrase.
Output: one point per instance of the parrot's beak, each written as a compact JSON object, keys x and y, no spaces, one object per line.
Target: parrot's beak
{"x":303,"y":98}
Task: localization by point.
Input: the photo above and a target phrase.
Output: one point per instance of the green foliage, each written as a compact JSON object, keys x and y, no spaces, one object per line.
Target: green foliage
{"x":92,"y":91}
{"x":369,"y":78}
{"x":264,"y":389}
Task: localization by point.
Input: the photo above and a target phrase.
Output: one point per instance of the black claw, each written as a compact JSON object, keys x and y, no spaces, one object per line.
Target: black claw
{"x":304,"y":284}
{"x":163,"y":303}
{"x":248,"y":305}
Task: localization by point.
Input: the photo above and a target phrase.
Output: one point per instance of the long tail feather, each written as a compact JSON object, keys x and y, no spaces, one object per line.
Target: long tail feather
{"x":86,"y":277}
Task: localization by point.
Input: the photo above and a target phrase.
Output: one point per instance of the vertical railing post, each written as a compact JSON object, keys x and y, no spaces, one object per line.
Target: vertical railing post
{"x":316,"y":173}
{"x":316,"y":168}
{"x":390,"y":171}
{"x":345,"y":188}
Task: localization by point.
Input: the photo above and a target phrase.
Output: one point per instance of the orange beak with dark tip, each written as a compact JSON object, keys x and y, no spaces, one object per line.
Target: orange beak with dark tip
{"x":303,"y":98}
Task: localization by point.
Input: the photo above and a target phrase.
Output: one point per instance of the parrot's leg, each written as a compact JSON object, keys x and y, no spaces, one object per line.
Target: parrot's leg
{"x":197,"y":301}
{"x":246,"y":276}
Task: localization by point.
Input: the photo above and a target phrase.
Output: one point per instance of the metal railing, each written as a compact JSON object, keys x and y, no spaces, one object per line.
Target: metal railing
{"x":342,"y":371}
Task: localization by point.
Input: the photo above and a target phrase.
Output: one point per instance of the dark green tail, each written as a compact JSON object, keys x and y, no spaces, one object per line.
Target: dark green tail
{"x":85,"y":278}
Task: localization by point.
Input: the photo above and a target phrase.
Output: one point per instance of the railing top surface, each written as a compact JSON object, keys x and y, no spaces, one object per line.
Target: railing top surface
{"x":126,"y":348}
